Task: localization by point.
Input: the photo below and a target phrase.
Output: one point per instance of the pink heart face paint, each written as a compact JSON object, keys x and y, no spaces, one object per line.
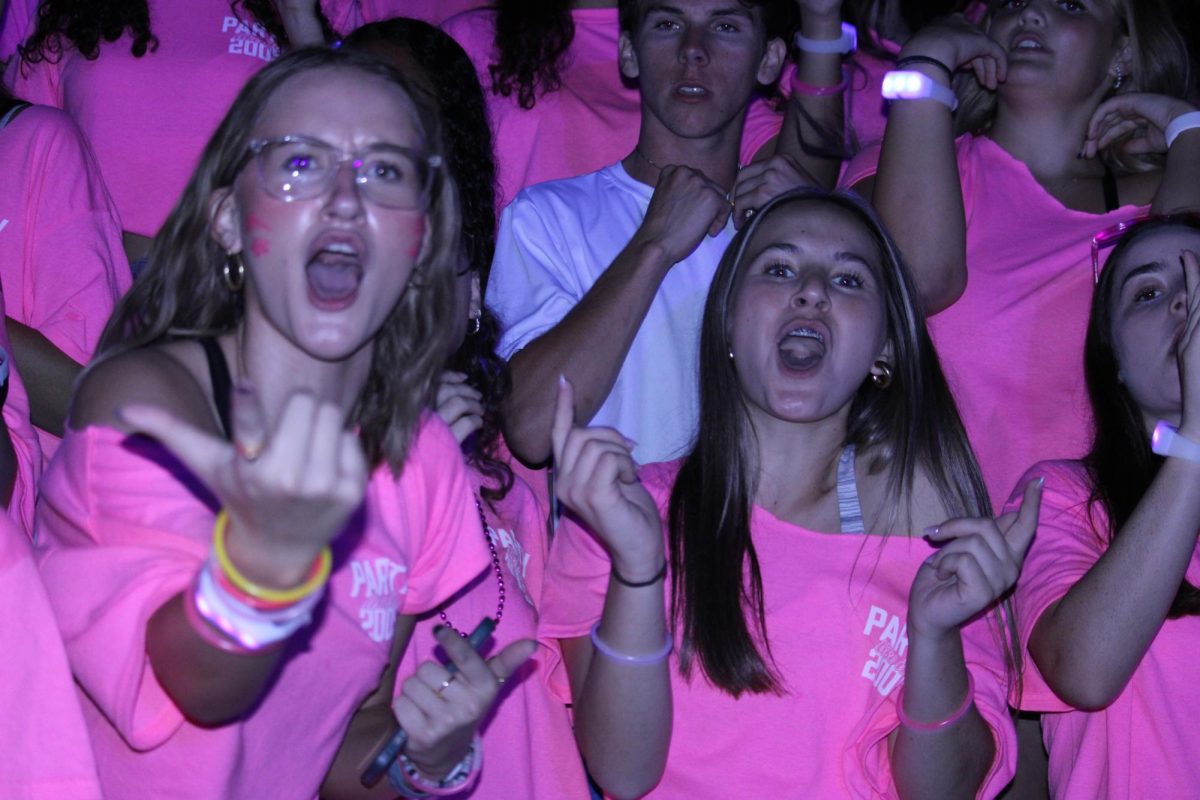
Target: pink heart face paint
{"x":417,"y":236}
{"x":260,"y":247}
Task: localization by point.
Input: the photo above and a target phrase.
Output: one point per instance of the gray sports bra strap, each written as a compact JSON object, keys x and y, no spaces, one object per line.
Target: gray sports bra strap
{"x":849,"y":510}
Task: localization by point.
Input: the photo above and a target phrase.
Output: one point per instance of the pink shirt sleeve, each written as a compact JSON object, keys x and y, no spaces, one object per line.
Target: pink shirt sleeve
{"x":763,"y":122}
{"x":47,"y":755}
{"x":1066,"y":546}
{"x":36,"y":83}
{"x":20,"y":16}
{"x":70,"y":267}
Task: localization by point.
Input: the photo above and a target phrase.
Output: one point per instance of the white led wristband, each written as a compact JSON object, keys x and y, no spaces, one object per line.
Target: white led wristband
{"x":844,"y":45}
{"x":909,"y":85}
{"x":1184,"y":122}
{"x":1168,"y":441}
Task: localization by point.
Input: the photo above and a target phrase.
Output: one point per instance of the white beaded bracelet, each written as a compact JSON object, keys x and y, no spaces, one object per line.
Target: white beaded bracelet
{"x":1184,"y":122}
{"x":844,"y":45}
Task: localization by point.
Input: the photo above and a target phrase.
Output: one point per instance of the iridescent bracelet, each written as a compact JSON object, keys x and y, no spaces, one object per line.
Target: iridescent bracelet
{"x":406,"y":779}
{"x":954,"y":717}
{"x":650,"y":658}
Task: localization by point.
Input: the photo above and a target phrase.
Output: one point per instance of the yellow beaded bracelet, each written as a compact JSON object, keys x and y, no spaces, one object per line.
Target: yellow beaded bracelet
{"x":318,"y":575}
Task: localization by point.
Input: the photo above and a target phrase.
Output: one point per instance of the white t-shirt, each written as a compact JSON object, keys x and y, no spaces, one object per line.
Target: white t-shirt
{"x":555,"y":240}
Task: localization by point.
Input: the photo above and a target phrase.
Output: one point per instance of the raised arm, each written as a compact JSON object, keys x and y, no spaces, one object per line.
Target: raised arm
{"x":620,"y":678}
{"x":943,"y":747}
{"x":813,"y":123}
{"x":1088,"y":644}
{"x":590,"y":343}
{"x":917,"y":189}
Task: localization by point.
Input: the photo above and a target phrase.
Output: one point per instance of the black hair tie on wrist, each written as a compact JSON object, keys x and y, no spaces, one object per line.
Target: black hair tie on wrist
{"x":930,"y":60}
{"x":658,"y":576}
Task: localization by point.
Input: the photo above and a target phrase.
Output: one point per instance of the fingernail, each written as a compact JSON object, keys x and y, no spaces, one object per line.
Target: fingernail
{"x":562,"y":379}
{"x":931,"y":531}
{"x":1041,"y":482}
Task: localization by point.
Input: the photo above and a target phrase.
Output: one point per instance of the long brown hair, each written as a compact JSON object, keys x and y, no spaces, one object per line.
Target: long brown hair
{"x":181,"y":292}
{"x":913,"y":425}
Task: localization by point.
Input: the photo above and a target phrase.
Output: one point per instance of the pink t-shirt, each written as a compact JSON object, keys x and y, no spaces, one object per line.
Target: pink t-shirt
{"x":125,"y":527}
{"x":47,"y":755}
{"x":529,"y":748}
{"x":61,"y":257}
{"x":1012,"y":345}
{"x":24,"y":440}
{"x":19,"y":18}
{"x":593,"y":119}
{"x":1144,"y":744}
{"x":432,"y":11}
{"x":836,"y":606}
{"x":149,"y":118}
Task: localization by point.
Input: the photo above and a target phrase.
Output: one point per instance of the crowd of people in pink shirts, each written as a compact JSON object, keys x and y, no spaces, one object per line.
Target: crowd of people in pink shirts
{"x":599,"y":398}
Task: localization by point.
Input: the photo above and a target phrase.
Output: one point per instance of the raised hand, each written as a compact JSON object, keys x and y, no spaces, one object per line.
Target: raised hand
{"x":1142,"y":115}
{"x":960,"y":44}
{"x":459,"y":405}
{"x":757,"y":183}
{"x":977,"y":565}
{"x":440,"y":712}
{"x":288,"y":492}
{"x":596,"y":478}
{"x":685,"y":207}
{"x":1188,"y":351}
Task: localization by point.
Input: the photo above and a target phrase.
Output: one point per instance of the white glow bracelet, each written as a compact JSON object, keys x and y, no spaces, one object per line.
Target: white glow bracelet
{"x":844,"y":45}
{"x":909,"y":85}
{"x":1184,"y":122}
{"x":1168,"y":441}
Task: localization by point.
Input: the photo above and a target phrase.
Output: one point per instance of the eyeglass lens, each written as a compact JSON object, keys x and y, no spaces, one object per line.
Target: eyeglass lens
{"x":298,"y":170}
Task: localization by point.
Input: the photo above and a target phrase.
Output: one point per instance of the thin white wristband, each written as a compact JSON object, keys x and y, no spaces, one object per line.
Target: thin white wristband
{"x":844,"y":45}
{"x":912,"y":85}
{"x":1168,"y":441}
{"x":1184,"y":122}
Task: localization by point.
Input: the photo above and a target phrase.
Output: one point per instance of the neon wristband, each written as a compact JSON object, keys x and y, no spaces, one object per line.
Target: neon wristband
{"x":651,"y":658}
{"x":800,"y":87}
{"x":1184,"y":122}
{"x":317,"y":575}
{"x":844,"y":45}
{"x":908,"y":85}
{"x":210,"y":634}
{"x":1168,"y":441}
{"x":408,"y":780}
{"x":954,"y":717}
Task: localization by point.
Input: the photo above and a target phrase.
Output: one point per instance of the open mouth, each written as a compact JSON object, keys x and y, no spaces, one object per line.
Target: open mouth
{"x":691,"y":91}
{"x":334,"y":272}
{"x":1027,"y":42}
{"x":802,"y":348}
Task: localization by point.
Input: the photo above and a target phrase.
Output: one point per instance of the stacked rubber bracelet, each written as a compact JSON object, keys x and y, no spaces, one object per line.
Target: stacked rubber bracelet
{"x":908,"y":61}
{"x":263,"y":597}
{"x":799,"y":86}
{"x":954,"y":717}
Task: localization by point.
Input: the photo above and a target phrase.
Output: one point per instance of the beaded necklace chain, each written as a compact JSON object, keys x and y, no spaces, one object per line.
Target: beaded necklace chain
{"x":487,"y":537}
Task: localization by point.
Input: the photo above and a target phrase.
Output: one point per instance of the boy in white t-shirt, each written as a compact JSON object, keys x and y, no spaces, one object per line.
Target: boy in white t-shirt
{"x":602,"y":278}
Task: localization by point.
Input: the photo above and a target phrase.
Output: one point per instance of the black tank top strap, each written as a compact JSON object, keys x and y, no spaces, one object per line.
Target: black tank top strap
{"x":1112,"y":200}
{"x":222,"y":383}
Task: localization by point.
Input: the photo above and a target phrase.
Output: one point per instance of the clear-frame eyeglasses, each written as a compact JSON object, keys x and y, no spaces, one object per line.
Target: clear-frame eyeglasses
{"x":301,"y":168}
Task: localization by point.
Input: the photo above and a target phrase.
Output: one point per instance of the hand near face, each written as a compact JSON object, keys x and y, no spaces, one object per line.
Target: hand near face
{"x":596,"y":478}
{"x":757,"y":183}
{"x":685,"y":207}
{"x":1189,"y":349}
{"x":289,"y":492}
{"x":459,"y":405}
{"x":977,"y":564}
{"x":1141,"y":116}
{"x":959,"y":44}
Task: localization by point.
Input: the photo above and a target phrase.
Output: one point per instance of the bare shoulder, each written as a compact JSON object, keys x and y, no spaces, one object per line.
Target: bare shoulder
{"x":172,"y":376}
{"x":921,"y":507}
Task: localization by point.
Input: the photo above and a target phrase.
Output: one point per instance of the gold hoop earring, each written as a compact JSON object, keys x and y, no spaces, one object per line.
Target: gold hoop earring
{"x":475,"y":325}
{"x":883,"y":379}
{"x":234,"y":272}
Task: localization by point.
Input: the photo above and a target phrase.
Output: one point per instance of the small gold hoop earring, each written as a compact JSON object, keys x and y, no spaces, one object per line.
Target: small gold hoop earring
{"x":475,"y":325}
{"x":884,"y":379}
{"x":234,"y":272}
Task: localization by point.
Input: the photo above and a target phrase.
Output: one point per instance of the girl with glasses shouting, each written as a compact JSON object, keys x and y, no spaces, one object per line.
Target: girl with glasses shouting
{"x":236,"y":587}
